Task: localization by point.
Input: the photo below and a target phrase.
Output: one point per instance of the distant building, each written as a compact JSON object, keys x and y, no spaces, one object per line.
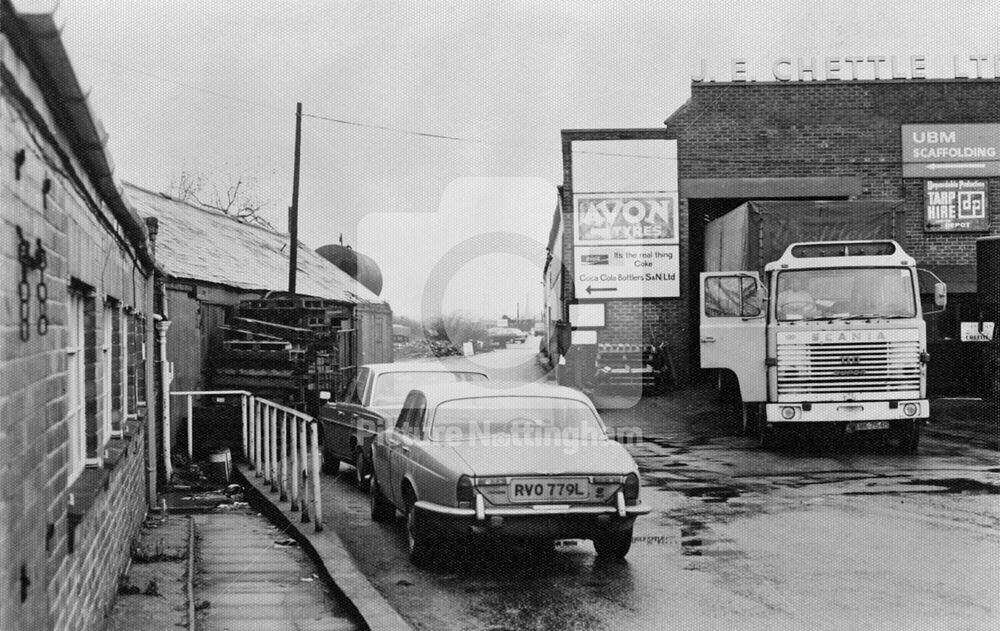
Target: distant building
{"x":77,"y":387}
{"x":930,"y":145}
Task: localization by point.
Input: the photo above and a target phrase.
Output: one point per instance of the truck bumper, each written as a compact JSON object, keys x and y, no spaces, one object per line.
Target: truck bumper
{"x":847,"y":411}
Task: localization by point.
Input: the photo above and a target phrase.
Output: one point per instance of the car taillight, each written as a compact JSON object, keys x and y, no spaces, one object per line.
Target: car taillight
{"x":464,"y":491}
{"x":631,"y":487}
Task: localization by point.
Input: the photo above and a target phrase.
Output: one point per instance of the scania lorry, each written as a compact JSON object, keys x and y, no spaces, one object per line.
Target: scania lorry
{"x":831,"y":336}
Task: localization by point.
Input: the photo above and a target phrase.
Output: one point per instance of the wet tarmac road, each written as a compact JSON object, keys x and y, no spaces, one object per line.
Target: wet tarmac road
{"x":845,"y":537}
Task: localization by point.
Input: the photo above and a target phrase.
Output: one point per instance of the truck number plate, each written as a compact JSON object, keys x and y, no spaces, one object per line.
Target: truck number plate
{"x":547,"y":489}
{"x":867,"y":425}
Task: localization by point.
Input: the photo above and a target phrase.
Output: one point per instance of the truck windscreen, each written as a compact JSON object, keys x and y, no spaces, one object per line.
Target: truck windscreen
{"x":819,"y":294}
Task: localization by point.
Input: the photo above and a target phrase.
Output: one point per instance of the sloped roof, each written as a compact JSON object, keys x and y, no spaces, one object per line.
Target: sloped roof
{"x":201,"y":244}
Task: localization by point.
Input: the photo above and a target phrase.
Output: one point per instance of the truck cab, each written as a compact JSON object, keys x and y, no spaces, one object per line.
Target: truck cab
{"x":832,"y":335}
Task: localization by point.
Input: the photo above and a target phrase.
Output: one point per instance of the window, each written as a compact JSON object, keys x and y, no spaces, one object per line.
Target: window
{"x":731,"y":297}
{"x":357,"y":388}
{"x":124,"y":366}
{"x":885,"y":292}
{"x":76,"y":388}
{"x":108,"y":363}
{"x":411,"y":416}
{"x":137,"y":351}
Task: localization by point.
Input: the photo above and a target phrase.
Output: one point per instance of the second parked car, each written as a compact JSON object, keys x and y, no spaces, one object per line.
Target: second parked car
{"x":377,"y":392}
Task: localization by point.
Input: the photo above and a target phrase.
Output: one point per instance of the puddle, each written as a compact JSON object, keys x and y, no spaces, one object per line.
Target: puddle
{"x":957,"y":485}
{"x":712,"y":493}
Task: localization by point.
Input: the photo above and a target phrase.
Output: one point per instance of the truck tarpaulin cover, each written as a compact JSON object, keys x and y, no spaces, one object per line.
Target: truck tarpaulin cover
{"x":757,"y":232}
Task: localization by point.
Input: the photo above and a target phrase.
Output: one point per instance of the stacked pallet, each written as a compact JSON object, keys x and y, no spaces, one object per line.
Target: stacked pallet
{"x":641,"y":365}
{"x":286,"y":349}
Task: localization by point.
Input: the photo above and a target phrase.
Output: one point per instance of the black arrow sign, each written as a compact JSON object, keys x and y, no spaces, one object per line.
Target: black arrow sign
{"x":593,"y":289}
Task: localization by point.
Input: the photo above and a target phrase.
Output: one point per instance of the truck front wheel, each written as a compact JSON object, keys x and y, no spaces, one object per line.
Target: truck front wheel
{"x":750,"y":416}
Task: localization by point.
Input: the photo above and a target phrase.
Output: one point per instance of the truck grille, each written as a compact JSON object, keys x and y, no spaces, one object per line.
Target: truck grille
{"x":856,"y":362}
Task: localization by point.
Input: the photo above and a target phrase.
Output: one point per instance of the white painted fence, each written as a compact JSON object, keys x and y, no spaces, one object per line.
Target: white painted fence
{"x":280,"y":444}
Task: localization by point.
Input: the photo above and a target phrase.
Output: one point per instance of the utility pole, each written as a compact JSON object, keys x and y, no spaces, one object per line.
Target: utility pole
{"x":293,"y":210}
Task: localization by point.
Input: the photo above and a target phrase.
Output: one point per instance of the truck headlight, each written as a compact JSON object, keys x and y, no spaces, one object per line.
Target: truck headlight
{"x":788,"y":413}
{"x":910,"y":409}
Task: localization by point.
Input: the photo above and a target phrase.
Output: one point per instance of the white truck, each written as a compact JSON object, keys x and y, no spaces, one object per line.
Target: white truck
{"x":832,"y":335}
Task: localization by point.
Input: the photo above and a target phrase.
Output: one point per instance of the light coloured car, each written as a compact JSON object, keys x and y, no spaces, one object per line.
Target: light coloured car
{"x":376,"y":394}
{"x":524,"y":462}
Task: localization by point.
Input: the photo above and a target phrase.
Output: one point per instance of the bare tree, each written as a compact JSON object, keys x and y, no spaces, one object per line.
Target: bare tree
{"x":236,"y":200}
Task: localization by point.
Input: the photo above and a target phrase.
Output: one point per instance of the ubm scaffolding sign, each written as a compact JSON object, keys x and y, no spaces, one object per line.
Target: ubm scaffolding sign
{"x":951,"y":150}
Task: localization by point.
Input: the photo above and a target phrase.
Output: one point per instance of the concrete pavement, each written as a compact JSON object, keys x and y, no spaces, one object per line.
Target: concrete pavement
{"x":252,"y":575}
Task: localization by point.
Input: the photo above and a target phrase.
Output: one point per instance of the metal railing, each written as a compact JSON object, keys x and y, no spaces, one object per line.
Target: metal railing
{"x":280,"y":444}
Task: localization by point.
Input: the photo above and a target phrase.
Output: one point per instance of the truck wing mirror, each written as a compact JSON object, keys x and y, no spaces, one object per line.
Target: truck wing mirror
{"x":940,"y":294}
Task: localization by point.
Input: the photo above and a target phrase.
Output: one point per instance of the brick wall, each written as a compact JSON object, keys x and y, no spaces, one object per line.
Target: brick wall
{"x":835,"y":128}
{"x":52,"y":575}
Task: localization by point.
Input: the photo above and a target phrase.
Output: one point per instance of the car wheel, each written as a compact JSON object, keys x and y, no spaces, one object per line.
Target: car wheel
{"x":360,"y":470}
{"x":331,"y":465}
{"x":417,"y":540}
{"x":382,"y":510}
{"x":613,"y":545}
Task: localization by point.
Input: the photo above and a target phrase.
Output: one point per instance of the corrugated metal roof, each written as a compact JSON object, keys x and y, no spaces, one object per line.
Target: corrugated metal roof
{"x":201,"y":244}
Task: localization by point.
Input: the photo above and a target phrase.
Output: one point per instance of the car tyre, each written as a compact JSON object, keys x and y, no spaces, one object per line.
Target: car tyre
{"x":331,"y":465}
{"x":613,"y":545}
{"x":418,"y":543}
{"x":360,"y":470}
{"x":382,"y":510}
{"x":749,"y":417}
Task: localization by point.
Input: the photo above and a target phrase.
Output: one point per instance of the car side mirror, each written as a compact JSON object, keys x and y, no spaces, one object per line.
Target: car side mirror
{"x":940,"y":295}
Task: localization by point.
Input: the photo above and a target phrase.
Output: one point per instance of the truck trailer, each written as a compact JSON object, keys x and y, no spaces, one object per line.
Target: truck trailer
{"x":831,"y":335}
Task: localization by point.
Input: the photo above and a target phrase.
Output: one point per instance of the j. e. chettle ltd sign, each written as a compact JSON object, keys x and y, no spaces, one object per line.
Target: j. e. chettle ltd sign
{"x":854,"y":68}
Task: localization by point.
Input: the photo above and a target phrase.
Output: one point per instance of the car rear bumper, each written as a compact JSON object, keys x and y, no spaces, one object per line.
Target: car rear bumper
{"x":528,"y":523}
{"x":570,"y":522}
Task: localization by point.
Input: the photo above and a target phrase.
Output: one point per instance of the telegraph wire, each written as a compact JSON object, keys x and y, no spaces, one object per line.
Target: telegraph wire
{"x":690,"y":157}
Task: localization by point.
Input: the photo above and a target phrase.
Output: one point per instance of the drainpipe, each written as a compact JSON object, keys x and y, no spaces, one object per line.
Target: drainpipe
{"x":166,"y":377}
{"x":150,"y":396}
{"x":162,"y":324}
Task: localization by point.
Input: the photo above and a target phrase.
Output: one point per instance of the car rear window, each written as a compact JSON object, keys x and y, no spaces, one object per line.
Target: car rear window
{"x":514,"y":417}
{"x":391,"y":387}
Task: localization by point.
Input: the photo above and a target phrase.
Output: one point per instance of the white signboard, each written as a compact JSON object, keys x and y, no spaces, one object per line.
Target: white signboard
{"x":941,"y":150}
{"x":971,"y":332}
{"x":583,"y":337}
{"x":628,"y":271}
{"x":625,"y":218}
{"x":587,"y":314}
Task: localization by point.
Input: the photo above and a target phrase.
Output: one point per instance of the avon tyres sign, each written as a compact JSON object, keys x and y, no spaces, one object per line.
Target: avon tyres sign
{"x":956,"y":206}
{"x":625,"y":219}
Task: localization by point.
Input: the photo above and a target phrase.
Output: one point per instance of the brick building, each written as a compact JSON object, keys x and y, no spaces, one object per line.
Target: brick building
{"x":812,"y":140}
{"x":76,"y":388}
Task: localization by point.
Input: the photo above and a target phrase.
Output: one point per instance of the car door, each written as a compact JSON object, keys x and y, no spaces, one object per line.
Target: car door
{"x":732,"y":330}
{"x":363,"y":421}
{"x":341,"y":419}
{"x":400,"y":441}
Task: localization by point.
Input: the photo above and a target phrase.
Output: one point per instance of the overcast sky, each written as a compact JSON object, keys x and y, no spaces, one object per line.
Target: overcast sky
{"x":211,"y":87}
